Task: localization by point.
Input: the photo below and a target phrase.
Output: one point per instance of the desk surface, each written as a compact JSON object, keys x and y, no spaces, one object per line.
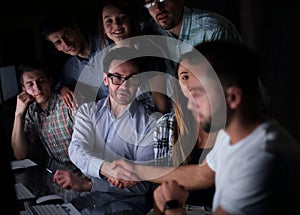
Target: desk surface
{"x":40,"y":182}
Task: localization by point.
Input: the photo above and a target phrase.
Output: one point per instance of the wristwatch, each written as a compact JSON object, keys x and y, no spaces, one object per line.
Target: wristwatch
{"x":171,"y":205}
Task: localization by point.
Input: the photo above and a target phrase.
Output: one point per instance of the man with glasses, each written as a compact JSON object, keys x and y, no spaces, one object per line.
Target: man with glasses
{"x":186,"y":27}
{"x":172,"y":18}
{"x":118,"y":126}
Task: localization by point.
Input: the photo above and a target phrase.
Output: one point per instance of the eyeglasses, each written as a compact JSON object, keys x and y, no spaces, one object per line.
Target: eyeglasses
{"x":118,"y":80}
{"x":151,"y":4}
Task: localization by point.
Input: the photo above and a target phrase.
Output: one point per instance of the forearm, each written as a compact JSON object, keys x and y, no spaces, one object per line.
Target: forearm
{"x":83,"y":158}
{"x":18,"y":140}
{"x":190,"y":176}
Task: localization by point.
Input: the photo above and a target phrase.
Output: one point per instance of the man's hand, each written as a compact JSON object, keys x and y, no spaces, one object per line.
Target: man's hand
{"x":69,"y":180}
{"x":167,"y":191}
{"x":121,"y":184}
{"x":68,"y":98}
{"x":23,"y":100}
{"x":126,"y":165}
{"x":118,"y":176}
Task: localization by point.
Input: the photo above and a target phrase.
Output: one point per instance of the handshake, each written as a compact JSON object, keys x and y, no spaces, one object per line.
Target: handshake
{"x":120,"y":173}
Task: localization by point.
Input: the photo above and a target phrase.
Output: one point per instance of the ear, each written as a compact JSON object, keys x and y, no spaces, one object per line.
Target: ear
{"x":105,"y":79}
{"x":233,"y":97}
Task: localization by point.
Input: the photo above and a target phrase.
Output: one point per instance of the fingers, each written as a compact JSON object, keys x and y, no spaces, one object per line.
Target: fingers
{"x":23,"y":100}
{"x":169,"y":190}
{"x":112,"y":170}
{"x":115,"y":182}
{"x":63,"y":178}
{"x":127,"y":167}
{"x":68,"y":98}
{"x":25,"y":97}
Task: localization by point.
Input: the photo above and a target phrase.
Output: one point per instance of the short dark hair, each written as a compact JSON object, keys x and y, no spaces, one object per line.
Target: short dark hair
{"x":125,"y":54}
{"x":30,"y":65}
{"x":54,"y":23}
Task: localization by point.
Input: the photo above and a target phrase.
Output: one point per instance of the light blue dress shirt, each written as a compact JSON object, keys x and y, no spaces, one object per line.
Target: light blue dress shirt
{"x":98,"y":136}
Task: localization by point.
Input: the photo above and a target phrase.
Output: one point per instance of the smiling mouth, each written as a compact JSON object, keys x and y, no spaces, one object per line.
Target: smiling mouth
{"x":118,"y":32}
{"x":71,"y":48}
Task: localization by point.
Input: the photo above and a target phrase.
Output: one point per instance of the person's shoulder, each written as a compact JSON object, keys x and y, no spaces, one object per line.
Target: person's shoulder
{"x":276,"y":133}
{"x":204,"y":13}
{"x":166,"y":117}
{"x":207,"y":15}
{"x":95,"y":42}
{"x":222,"y":136}
{"x":71,"y":61}
{"x":58,"y":101}
{"x":166,"y":120}
{"x":88,"y":105}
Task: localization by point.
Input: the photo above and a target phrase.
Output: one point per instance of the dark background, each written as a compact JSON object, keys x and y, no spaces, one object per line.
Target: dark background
{"x":263,"y":25}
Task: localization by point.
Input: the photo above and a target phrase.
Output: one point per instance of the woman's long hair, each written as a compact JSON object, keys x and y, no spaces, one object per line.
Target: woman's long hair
{"x":186,"y":130}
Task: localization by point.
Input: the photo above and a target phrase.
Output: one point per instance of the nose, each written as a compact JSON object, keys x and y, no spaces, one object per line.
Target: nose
{"x":117,"y":22}
{"x":125,"y":84}
{"x":35,"y":87}
{"x":62,"y":46}
{"x":65,"y":41}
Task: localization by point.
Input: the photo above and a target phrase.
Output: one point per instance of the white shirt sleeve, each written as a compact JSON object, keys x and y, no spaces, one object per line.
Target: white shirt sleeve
{"x":82,"y":149}
{"x":213,"y":156}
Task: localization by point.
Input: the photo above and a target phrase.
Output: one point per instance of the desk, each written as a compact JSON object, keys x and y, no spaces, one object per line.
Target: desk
{"x":39,"y":181}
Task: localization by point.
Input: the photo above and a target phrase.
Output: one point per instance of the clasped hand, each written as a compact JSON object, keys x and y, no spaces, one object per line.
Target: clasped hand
{"x":120,"y":174}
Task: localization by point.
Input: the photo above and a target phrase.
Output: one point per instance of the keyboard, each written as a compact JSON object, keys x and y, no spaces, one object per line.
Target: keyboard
{"x":50,"y":209}
{"x":22,"y":192}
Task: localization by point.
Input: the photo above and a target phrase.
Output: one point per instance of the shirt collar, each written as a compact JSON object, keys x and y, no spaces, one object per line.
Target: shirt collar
{"x":131,"y":107}
{"x":37,"y":108}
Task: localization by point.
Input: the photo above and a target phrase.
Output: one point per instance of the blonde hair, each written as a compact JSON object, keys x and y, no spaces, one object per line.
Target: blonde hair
{"x":186,"y":131}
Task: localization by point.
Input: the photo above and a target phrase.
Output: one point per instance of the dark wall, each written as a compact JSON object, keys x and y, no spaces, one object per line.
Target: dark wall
{"x":263,"y":25}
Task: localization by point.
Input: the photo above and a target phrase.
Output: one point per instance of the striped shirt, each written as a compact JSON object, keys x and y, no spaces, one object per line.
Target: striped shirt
{"x":163,"y":132}
{"x":52,"y":127}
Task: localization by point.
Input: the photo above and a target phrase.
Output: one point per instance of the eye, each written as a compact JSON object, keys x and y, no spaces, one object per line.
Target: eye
{"x":184,"y":77}
{"x":29,"y":84}
{"x":108,"y":21}
{"x":57,"y":43}
{"x":67,"y":33}
{"x":119,"y":78}
{"x":123,"y":16}
{"x":40,"y":81}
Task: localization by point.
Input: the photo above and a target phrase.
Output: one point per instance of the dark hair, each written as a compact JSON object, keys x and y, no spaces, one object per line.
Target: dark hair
{"x":121,"y":53}
{"x":54,"y":23}
{"x":127,"y":7}
{"x":30,"y":65}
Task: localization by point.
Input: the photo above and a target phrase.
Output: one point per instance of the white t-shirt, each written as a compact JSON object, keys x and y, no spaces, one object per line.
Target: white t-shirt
{"x":258,"y":175}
